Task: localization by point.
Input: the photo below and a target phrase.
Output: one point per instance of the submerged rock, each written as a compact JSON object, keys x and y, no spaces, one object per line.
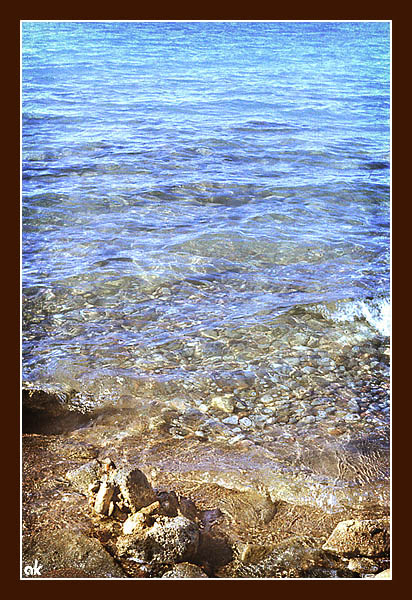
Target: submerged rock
{"x":370,"y":538}
{"x":169,"y":540}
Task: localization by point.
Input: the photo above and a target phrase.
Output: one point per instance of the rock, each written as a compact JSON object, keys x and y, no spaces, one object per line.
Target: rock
{"x":134,"y":523}
{"x":134,"y":488}
{"x":370,"y":538}
{"x":363,"y":565}
{"x":103,"y":498}
{"x":232,"y":420}
{"x":169,"y":540}
{"x":169,"y":504}
{"x":252,"y":553}
{"x":298,"y":556}
{"x":188,"y":509}
{"x":142,"y":518}
{"x":384,"y":575}
{"x":66,"y":549}
{"x":84,"y":476}
{"x":224,"y":403}
{"x":185,"y":571}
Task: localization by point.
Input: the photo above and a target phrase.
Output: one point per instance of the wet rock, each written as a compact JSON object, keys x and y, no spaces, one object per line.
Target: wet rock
{"x":232,"y":420}
{"x":66,"y":549}
{"x":370,"y":538}
{"x":134,"y":488}
{"x":85,"y":476}
{"x":363,"y":565}
{"x":169,"y":540}
{"x":299,"y":556}
{"x":50,"y":413}
{"x":185,"y":571}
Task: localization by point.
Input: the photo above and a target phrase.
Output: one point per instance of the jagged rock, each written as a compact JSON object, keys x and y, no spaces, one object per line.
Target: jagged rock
{"x":145,"y":517}
{"x":370,"y":538}
{"x":185,"y":571}
{"x":384,"y":574}
{"x":135,"y":522}
{"x":103,"y":498}
{"x":252,"y":553}
{"x":299,"y":556}
{"x":169,"y":540}
{"x":363,"y":565}
{"x":84,"y":476}
{"x":66,"y":549}
{"x":133,"y":487}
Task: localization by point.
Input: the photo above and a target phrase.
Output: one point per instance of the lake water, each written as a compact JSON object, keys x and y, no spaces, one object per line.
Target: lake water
{"x":206,"y":233}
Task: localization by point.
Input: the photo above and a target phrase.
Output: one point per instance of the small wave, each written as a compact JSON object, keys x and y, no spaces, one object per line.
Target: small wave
{"x":377,"y":312}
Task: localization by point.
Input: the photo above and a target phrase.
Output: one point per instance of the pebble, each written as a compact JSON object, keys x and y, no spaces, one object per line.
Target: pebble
{"x":352,"y":417}
{"x":225,"y":403}
{"x":232,"y":420}
{"x":353,"y":406}
{"x":307,"y":420}
{"x":245,"y":422}
{"x":237,"y":438}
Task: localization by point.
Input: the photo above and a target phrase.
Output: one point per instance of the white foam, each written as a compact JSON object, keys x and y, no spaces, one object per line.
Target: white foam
{"x":376,"y":312}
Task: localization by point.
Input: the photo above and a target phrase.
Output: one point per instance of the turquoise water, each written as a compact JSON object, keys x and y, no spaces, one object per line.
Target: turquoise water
{"x":206,"y":211}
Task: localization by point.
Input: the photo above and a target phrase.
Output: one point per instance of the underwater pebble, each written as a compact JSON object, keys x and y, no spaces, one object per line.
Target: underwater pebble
{"x":308,"y":419}
{"x":233,"y":420}
{"x":245,"y":422}
{"x":237,"y":438}
{"x":352,"y":417}
{"x":227,"y":404}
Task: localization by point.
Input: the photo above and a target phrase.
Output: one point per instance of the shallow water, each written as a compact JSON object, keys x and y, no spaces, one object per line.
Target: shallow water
{"x":206,"y":233}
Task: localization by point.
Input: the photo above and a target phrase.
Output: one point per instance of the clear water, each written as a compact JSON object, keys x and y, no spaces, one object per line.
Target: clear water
{"x":206,"y":215}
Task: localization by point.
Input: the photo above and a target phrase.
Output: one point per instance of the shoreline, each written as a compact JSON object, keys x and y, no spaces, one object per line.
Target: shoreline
{"x":245,"y":521}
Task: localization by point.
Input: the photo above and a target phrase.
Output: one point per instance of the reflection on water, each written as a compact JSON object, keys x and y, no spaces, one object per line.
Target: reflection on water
{"x":206,"y":240}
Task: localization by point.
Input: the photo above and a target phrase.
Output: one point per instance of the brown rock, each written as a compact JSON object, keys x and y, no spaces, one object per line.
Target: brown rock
{"x":169,"y":540}
{"x":352,"y":538}
{"x":134,"y":488}
{"x":103,"y":498}
{"x":169,"y":503}
{"x":84,"y":476}
{"x":69,"y":550}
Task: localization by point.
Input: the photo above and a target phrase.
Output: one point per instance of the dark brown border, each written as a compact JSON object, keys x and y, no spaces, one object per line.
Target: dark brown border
{"x":401,"y":255}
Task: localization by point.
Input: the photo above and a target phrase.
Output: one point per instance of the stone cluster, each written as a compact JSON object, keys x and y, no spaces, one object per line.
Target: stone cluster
{"x":158,"y":527}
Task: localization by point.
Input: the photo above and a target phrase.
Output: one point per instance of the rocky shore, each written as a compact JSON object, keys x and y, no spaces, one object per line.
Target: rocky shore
{"x":97,"y":504}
